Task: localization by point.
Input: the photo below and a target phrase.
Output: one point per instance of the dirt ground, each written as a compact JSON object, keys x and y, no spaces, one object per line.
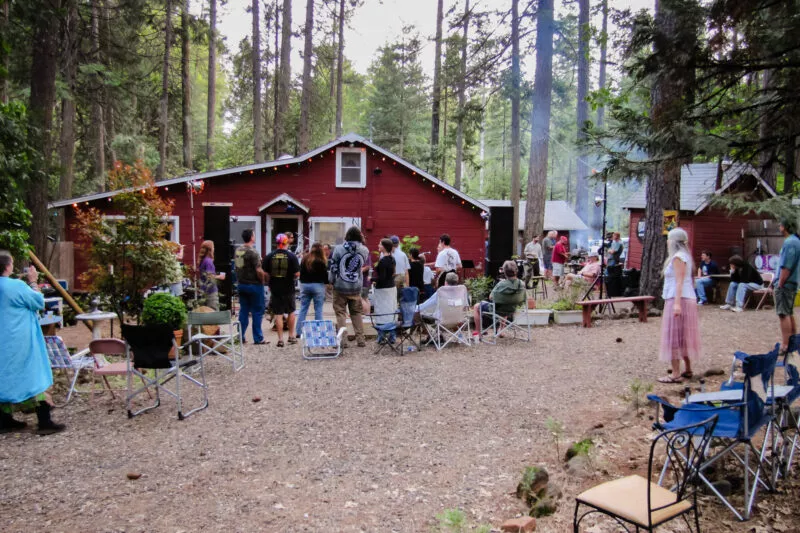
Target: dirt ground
{"x":369,"y":442}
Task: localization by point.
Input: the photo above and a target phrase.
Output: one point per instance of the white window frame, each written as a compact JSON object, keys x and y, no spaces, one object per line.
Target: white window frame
{"x":363,"y":153}
{"x":174,"y":235}
{"x":255,"y":219}
{"x":270,"y":238}
{"x":312,"y":221}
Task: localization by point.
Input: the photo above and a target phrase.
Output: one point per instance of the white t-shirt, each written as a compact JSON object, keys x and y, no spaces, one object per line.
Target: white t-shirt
{"x":448,"y":260}
{"x":401,"y":264}
{"x":670,"y":282}
{"x":427,"y":275}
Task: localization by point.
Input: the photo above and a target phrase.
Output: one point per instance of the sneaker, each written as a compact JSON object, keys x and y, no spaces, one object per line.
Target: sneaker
{"x":737,"y":309}
{"x":725,"y":307}
{"x":701,"y":302}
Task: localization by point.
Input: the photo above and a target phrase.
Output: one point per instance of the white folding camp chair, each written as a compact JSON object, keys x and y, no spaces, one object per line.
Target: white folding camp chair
{"x":516,"y":325}
{"x":60,"y":359}
{"x":321,"y":340}
{"x":451,"y":318}
{"x":216,"y":334}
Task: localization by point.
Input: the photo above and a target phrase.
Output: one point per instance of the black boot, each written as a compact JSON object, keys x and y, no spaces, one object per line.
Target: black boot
{"x":8,"y":424}
{"x":46,"y":425}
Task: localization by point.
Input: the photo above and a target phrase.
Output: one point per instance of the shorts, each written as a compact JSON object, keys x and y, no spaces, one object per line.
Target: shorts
{"x":784,"y":301}
{"x":365,"y":292}
{"x":558,"y":269}
{"x":282,"y":303}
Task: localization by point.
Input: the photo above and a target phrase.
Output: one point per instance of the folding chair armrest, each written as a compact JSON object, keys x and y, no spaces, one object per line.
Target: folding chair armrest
{"x":340,"y":334}
{"x":740,"y":356}
{"x":82,"y":353}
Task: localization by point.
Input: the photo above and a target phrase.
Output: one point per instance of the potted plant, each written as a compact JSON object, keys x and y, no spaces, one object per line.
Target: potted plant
{"x":566,"y":309}
{"x":164,"y":309}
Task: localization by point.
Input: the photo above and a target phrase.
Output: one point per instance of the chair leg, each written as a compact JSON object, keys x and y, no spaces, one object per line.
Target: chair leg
{"x":108,"y":386}
{"x":575,"y":524}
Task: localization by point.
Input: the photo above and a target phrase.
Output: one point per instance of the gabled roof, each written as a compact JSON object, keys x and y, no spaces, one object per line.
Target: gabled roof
{"x":283,"y":160}
{"x":698,"y":182}
{"x":283,"y":198}
{"x":558,"y":215}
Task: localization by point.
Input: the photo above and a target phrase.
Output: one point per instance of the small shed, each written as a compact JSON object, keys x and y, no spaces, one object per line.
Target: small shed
{"x":558,"y":215}
{"x":317,"y":195}
{"x":709,"y":228}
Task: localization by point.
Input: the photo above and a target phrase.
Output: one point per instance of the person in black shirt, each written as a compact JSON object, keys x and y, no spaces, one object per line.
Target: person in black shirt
{"x":415,"y":272}
{"x":744,"y":278}
{"x":313,"y":278}
{"x":385,"y":295}
{"x":282,"y":268}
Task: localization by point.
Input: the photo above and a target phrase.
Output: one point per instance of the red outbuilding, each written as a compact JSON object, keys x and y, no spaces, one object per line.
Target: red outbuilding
{"x":709,"y":228}
{"x":317,"y":195}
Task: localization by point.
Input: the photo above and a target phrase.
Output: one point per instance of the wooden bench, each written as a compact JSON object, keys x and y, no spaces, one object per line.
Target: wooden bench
{"x":639,"y":301}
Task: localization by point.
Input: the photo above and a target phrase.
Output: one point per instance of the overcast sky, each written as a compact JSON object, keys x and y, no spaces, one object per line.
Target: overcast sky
{"x":373,"y":25}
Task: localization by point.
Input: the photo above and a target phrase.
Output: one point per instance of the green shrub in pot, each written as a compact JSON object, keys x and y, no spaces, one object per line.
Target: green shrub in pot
{"x":163,"y":308}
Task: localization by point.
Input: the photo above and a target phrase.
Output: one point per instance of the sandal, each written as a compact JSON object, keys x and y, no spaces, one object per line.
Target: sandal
{"x":670,"y":379}
{"x":687,"y":375}
{"x":279,"y":344}
{"x":292,"y":340}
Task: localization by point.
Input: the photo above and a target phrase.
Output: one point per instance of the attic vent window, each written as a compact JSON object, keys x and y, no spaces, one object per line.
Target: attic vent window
{"x":351,"y":167}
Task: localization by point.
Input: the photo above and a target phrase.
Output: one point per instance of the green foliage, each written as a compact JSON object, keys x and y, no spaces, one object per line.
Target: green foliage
{"x":408,"y":242}
{"x":582,"y":447}
{"x":636,"y":393}
{"x":16,"y":166}
{"x":452,"y":520}
{"x":127,"y":256}
{"x":163,"y":308}
{"x":479,"y":288}
{"x":556,"y":430}
{"x":568,"y":298}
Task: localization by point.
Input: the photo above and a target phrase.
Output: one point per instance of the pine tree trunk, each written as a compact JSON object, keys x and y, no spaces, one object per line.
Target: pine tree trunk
{"x":97,"y":131}
{"x":768,"y":155}
{"x":4,"y":56}
{"x":540,"y":121}
{"x":164,"y":114}
{"x":515,"y":111}
{"x":597,"y":211}
{"x":663,"y":186}
{"x":437,"y":89}
{"x":109,"y":132}
{"x":211,"y":117}
{"x":258,"y":140}
{"x":462,"y":98}
{"x":340,"y":71}
{"x":305,"y":98}
{"x":284,"y":79}
{"x":332,"y":74}
{"x":186,"y":83}
{"x":582,"y":185}
{"x":66,"y":150}
{"x":40,"y":116}
{"x":790,"y":169}
{"x":276,"y":81}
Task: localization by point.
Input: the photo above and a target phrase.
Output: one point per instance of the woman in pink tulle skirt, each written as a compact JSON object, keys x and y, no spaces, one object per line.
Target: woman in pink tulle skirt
{"x":680,"y":331}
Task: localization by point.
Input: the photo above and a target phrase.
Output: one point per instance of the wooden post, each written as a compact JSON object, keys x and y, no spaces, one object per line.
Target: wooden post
{"x":54,"y":282}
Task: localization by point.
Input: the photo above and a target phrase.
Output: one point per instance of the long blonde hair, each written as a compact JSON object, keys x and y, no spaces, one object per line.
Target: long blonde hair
{"x":677,"y":241}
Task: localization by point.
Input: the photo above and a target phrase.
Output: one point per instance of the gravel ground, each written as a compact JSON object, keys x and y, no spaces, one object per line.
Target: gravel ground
{"x":366,"y":442}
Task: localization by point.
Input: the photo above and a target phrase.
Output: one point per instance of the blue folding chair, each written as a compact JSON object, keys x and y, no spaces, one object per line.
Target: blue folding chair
{"x":787,"y":423}
{"x":60,"y":359}
{"x":321,"y":340}
{"x":402,"y":328}
{"x":738,"y":424}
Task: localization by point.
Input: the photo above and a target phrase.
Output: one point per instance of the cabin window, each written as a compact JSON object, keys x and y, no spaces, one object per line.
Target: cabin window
{"x":173,"y":226}
{"x":331,"y":230}
{"x":351,"y":168}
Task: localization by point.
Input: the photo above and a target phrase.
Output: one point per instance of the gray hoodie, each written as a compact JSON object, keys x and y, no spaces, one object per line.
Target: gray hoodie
{"x":346,"y":263}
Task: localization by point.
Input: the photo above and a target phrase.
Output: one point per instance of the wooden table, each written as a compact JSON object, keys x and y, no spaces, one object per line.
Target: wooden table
{"x":723,"y":281}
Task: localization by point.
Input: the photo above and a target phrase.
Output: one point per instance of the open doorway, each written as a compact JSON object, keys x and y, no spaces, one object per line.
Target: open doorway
{"x":281,"y":224}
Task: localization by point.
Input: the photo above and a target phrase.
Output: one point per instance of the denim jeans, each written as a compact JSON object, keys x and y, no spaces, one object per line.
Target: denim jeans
{"x":309,"y":292}
{"x":701,"y":285}
{"x":739,"y":291}
{"x":251,"y":301}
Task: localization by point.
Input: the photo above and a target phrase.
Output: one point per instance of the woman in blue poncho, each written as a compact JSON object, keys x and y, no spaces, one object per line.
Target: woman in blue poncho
{"x":24,"y":366}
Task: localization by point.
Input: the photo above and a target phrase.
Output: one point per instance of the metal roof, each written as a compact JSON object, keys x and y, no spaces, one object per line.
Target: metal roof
{"x":283,"y":160}
{"x":558,"y":215}
{"x":698,"y":182}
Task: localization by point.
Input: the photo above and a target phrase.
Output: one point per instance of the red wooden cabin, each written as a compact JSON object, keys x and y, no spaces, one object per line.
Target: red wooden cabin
{"x":318,"y":195}
{"x":709,"y":228}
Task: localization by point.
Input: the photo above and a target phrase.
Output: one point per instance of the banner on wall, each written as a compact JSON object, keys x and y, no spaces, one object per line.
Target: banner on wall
{"x":670,"y":221}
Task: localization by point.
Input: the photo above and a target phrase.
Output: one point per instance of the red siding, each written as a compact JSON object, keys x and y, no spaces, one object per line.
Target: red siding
{"x":395,"y":202}
{"x":712,"y":230}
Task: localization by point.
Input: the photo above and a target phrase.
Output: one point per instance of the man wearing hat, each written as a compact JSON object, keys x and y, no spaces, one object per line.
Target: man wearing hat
{"x":588,"y":273}
{"x":401,"y":265}
{"x":560,"y":256}
{"x":788,"y":278}
{"x":282,"y":268}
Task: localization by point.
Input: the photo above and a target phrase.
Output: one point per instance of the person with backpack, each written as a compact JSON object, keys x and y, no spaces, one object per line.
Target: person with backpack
{"x":346,"y":276}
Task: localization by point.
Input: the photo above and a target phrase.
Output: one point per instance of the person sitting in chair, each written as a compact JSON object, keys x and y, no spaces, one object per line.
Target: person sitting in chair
{"x":744,"y":278}
{"x":427,"y":309}
{"x":588,"y":274}
{"x":507,"y":295}
{"x":704,"y":281}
